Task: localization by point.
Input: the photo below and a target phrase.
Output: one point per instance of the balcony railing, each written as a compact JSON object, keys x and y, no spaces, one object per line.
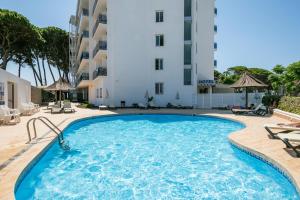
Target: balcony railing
{"x":94,"y":6}
{"x":100,"y":71}
{"x":102,"y":19}
{"x":84,"y":55}
{"x":101,"y":45}
{"x":83,"y":77}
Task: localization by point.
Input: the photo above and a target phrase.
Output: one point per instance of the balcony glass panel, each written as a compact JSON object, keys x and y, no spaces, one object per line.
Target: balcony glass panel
{"x":187,"y":31}
{"x":187,"y":54}
{"x":187,"y":8}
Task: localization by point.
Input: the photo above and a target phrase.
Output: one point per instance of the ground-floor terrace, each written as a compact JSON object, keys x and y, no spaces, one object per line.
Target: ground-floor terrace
{"x":16,"y":153}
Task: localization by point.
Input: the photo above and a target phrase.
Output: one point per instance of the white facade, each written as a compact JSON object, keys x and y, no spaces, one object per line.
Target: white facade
{"x":13,"y":90}
{"x":128,"y":51}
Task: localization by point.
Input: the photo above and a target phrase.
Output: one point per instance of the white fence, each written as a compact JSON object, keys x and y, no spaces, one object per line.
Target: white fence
{"x":217,"y":100}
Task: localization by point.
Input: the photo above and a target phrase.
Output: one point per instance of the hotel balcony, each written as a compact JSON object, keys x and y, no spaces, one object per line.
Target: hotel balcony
{"x":100,"y":50}
{"x":83,"y":42}
{"x":99,"y":6}
{"x":100,"y":72}
{"x":83,"y":62}
{"x":84,"y":19}
{"x":83,"y":80}
{"x":100,"y":27}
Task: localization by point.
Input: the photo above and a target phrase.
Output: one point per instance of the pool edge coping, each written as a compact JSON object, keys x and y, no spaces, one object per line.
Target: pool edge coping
{"x":252,"y":152}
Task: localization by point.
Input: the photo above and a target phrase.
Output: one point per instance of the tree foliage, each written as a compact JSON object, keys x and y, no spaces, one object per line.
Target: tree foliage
{"x":28,"y":45}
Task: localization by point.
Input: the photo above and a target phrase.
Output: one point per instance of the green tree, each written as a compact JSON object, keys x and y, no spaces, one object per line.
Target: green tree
{"x":15,"y":32}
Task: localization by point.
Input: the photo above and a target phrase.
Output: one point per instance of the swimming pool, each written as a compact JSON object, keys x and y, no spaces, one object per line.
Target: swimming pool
{"x":152,"y":157}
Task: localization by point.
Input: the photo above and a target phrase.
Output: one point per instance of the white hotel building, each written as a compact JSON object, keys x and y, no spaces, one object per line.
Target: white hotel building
{"x":128,"y":50}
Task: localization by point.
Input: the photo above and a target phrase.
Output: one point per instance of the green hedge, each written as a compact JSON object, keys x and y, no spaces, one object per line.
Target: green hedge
{"x":290,"y":104}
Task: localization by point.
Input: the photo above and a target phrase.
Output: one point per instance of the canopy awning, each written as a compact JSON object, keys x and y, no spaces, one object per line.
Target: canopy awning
{"x":248,"y":81}
{"x":59,"y":85}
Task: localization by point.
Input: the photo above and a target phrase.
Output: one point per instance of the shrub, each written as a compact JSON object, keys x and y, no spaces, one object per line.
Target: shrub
{"x":290,"y":104}
{"x":271,"y":100}
{"x":86,"y":105}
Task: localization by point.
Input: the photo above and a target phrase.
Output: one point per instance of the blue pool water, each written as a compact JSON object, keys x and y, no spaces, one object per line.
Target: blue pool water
{"x":152,"y":157}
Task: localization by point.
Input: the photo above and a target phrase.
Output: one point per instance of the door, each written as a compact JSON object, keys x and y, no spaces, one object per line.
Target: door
{"x":11,"y":94}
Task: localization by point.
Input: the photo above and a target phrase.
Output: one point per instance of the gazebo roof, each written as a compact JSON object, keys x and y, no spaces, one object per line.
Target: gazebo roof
{"x":248,"y":80}
{"x":59,"y":85}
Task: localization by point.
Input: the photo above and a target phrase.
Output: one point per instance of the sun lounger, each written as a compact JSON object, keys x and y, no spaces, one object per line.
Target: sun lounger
{"x":56,"y":109}
{"x":152,"y":105}
{"x":281,"y":128}
{"x":292,"y":141}
{"x":67,"y":108}
{"x":103,"y":107}
{"x":173,"y":105}
{"x":259,"y":110}
{"x":27,"y":109}
{"x":142,"y":106}
{"x":112,"y":107}
{"x":50,"y":105}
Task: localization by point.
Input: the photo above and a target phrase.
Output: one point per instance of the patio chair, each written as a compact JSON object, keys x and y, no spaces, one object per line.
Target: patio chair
{"x":152,"y":105}
{"x":282,"y":128}
{"x":292,"y":141}
{"x":141,"y":106}
{"x":36,"y":106}
{"x":8,"y":114}
{"x":67,"y":108}
{"x":259,"y":110}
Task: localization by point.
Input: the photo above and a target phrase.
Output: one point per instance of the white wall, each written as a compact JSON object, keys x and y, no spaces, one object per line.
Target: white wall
{"x":131,"y":31}
{"x":227,"y":99}
{"x":22,"y":91}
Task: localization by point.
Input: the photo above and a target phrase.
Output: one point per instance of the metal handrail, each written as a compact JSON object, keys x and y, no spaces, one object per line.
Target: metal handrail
{"x":54,"y":128}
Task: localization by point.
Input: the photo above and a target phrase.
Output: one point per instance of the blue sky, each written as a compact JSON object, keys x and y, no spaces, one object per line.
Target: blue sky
{"x":254,"y":33}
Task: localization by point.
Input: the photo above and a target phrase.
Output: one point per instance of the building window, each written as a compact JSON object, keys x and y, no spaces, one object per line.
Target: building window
{"x":159,"y":16}
{"x":97,"y":93}
{"x":2,"y":101}
{"x":159,"y":88}
{"x":187,"y":78}
{"x":159,"y":40}
{"x":159,"y":64}
{"x":187,"y":30}
{"x":100,"y":93}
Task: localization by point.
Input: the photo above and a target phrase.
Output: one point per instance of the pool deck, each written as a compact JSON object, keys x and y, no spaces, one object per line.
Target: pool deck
{"x":16,"y":153}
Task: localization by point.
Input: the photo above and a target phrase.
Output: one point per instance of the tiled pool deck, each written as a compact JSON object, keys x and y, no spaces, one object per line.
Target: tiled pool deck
{"x":16,"y":153}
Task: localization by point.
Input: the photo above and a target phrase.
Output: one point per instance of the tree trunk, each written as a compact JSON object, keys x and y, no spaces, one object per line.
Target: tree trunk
{"x":5,"y":60}
{"x":36,"y":83}
{"x":19,"y":70}
{"x":50,"y":70}
{"x":37,"y":76}
{"x":45,"y":77}
{"x":39,"y":68}
{"x":59,"y":72}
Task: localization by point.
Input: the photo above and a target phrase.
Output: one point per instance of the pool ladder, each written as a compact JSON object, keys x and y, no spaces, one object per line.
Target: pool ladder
{"x":51,"y":126}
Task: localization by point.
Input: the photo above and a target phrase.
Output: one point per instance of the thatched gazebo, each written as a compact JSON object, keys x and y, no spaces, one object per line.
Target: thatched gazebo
{"x":248,"y":81}
{"x":60,"y":85}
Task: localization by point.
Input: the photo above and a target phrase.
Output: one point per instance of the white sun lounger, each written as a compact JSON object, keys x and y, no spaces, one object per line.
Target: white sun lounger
{"x":291,"y":140}
{"x":142,"y":106}
{"x":281,"y":128}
